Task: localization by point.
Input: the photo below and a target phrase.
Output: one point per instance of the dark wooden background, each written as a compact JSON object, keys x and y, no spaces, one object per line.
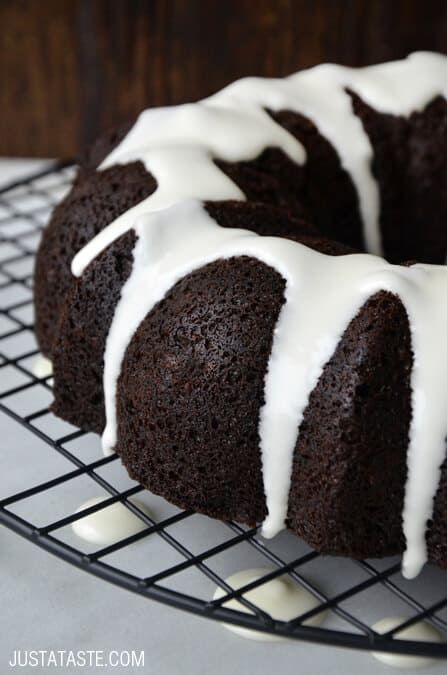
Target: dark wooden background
{"x":71,"y":68}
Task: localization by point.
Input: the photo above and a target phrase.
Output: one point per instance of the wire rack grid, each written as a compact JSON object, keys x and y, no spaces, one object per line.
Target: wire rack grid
{"x":352,"y":594}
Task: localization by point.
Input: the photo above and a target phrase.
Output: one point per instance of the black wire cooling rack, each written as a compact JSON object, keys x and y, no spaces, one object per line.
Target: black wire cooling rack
{"x":197,"y":553}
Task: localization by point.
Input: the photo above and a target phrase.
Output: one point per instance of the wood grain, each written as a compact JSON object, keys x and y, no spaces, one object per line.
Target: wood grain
{"x":70,"y":69}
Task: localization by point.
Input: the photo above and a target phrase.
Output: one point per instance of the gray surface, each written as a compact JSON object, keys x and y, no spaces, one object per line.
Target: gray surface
{"x":47,"y":604}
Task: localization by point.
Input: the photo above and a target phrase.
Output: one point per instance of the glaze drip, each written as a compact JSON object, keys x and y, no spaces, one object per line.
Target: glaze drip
{"x":176,"y":236}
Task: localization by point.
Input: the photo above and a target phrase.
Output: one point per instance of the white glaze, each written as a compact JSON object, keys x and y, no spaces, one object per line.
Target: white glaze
{"x":422,"y":631}
{"x":176,"y":236}
{"x":42,"y":367}
{"x":110,"y":524}
{"x":281,"y":597}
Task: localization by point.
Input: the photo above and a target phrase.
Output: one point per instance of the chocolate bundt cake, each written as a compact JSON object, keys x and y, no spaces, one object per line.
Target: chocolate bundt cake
{"x":246,"y":296}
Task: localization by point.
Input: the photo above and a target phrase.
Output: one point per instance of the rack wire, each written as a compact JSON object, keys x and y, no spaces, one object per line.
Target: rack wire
{"x":351,"y":593}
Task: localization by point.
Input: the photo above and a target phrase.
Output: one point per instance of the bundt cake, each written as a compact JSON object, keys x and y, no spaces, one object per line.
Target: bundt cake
{"x":214,"y":299}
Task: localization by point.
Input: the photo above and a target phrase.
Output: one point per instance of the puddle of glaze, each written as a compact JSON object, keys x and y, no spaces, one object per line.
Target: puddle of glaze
{"x":281,"y":597}
{"x":420,"y":631}
{"x":110,"y":524}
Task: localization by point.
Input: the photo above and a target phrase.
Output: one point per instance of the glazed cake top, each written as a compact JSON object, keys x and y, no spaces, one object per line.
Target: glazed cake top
{"x":178,"y":146}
